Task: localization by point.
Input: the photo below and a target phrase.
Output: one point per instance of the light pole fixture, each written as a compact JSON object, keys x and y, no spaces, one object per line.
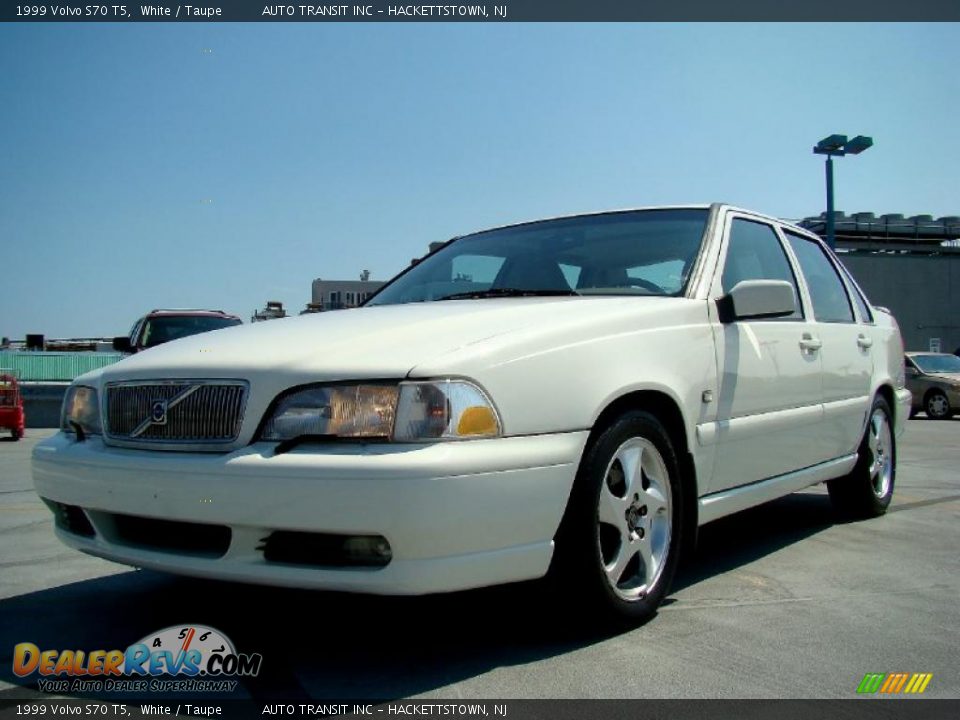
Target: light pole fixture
{"x":837,"y":145}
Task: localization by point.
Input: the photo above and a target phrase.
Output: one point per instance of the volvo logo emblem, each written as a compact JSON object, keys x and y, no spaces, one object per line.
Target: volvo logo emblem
{"x":159,"y":409}
{"x":158,"y":412}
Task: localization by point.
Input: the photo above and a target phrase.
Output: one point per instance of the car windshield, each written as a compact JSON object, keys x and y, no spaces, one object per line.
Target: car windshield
{"x":159,"y":330}
{"x":937,"y":363}
{"x":642,"y":252}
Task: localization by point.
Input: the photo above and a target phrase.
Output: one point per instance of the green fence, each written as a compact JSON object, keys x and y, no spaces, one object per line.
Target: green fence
{"x":55,"y":366}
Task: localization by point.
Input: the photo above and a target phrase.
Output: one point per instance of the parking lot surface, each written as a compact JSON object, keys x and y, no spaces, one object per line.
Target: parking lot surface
{"x":782,"y":601}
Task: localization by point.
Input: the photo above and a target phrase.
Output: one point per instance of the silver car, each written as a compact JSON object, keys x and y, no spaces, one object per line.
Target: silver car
{"x":934,"y":380}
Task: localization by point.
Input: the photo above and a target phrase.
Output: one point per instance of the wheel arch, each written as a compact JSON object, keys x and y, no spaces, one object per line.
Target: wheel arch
{"x":666,"y":409}
{"x":886,"y":392}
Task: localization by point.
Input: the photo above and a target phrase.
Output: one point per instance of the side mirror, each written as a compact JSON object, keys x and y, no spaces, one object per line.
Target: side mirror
{"x":911,"y":371}
{"x":757,"y":299}
{"x":122,"y":344}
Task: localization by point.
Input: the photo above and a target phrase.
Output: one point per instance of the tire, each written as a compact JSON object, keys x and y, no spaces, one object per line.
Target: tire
{"x":17,"y":434}
{"x":619,"y":543}
{"x":866,"y":492}
{"x":937,"y":406}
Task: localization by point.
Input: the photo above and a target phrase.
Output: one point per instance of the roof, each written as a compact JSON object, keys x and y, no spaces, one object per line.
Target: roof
{"x":191,"y":311}
{"x":691,"y":206}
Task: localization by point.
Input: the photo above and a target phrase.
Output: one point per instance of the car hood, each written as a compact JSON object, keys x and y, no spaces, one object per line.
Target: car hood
{"x":383,"y":342}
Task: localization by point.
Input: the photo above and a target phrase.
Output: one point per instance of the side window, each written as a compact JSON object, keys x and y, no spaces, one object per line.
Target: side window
{"x":754,"y":252}
{"x":830,"y":301}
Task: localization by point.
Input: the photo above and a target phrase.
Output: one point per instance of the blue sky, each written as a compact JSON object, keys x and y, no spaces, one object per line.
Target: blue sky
{"x":223,"y":165}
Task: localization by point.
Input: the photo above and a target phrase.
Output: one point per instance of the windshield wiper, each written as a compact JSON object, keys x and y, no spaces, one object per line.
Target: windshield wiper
{"x":506,"y":292}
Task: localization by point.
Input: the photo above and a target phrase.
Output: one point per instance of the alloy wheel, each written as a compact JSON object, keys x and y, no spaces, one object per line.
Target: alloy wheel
{"x":879,"y":440}
{"x":634,"y":519}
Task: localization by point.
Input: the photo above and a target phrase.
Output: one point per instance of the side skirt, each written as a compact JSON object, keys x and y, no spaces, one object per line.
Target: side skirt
{"x":727,"y":502}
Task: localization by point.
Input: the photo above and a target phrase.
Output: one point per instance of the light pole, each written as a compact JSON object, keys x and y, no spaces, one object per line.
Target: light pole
{"x":837,"y":145}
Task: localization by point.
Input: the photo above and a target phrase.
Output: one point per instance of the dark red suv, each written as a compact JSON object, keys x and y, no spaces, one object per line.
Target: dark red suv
{"x":160,"y":326}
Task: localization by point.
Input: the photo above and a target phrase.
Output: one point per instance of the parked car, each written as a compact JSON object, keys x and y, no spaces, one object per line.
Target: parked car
{"x":569,"y":397}
{"x":12,"y":417}
{"x":160,"y":326}
{"x":934,"y":380}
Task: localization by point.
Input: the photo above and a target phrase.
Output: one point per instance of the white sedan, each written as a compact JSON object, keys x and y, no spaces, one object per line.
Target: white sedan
{"x":570,"y":397}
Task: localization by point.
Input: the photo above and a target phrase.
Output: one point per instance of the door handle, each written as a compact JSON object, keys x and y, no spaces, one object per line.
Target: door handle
{"x":863,"y":341}
{"x":810,"y":343}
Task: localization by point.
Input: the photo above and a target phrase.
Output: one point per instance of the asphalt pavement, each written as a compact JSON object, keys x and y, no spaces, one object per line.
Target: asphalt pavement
{"x":783,"y":601}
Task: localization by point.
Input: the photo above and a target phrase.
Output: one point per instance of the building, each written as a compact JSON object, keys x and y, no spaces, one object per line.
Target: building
{"x":273,"y":311}
{"x":910,"y":265}
{"x":342,"y":294}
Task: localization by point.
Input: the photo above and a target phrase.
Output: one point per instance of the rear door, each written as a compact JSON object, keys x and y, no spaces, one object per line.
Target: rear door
{"x":846,"y":346}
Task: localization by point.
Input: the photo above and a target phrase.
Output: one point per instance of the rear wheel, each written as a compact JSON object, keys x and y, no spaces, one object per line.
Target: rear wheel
{"x":868,"y":489}
{"x":937,"y":405}
{"x":17,"y":433}
{"x":618,"y":545}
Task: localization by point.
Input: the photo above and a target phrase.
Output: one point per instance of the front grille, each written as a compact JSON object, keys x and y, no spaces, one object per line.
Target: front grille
{"x":177,"y":412}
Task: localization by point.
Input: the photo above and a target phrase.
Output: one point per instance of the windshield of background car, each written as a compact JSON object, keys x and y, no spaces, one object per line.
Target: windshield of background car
{"x":643,"y":252}
{"x":159,"y":330}
{"x":937,"y":363}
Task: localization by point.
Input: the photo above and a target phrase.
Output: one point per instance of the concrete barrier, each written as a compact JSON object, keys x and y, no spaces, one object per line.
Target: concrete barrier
{"x":42,"y":402}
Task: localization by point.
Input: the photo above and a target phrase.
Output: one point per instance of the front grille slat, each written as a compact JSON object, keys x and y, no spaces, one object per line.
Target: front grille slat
{"x":212,"y":412}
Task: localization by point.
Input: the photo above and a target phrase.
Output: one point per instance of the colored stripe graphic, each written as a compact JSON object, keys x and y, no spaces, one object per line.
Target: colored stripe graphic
{"x":871,"y":683}
{"x":894,"y":683}
{"x":918,"y":683}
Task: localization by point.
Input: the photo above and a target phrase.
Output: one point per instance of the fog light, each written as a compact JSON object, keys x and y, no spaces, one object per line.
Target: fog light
{"x":70,"y":518}
{"x":326,"y":549}
{"x":372,"y":549}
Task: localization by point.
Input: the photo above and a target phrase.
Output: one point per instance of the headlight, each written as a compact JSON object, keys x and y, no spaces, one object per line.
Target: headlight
{"x":338,"y":410}
{"x":80,"y":408}
{"x":444,"y":410}
{"x":410,"y":412}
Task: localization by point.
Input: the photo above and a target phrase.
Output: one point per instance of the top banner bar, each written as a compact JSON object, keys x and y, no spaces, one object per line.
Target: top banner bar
{"x":492,"y":12}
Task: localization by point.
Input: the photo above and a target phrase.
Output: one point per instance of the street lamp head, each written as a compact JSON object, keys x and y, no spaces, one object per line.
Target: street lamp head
{"x":858,"y":145}
{"x":831,"y":145}
{"x":839,"y":146}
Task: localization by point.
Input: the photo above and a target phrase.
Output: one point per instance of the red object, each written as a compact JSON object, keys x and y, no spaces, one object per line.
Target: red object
{"x":11,"y":405}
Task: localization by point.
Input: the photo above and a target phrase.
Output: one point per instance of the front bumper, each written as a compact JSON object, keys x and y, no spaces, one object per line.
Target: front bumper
{"x":457,"y":515}
{"x":901,"y":413}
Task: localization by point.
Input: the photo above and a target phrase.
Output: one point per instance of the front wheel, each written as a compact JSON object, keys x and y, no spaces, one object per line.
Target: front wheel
{"x":868,"y":489}
{"x":937,"y":406}
{"x":618,"y":545}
